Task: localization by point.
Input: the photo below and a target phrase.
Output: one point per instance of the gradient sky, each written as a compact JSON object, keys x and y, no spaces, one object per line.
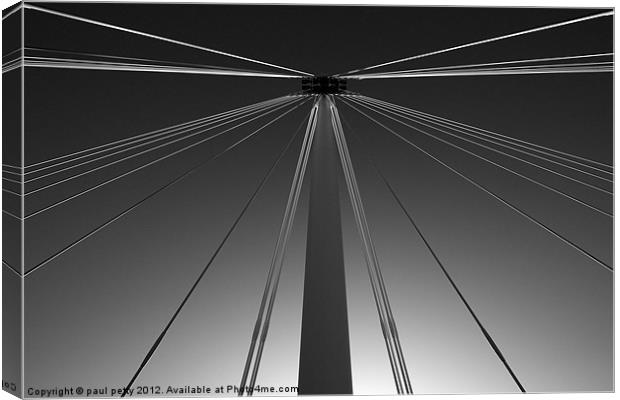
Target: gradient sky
{"x":93,"y":313}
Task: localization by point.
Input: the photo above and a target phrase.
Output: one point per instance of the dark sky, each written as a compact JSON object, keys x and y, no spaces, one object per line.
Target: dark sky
{"x":325,"y":40}
{"x":550,"y":110}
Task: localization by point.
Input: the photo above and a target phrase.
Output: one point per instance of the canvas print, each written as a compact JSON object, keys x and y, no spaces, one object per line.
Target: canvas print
{"x":218,"y":200}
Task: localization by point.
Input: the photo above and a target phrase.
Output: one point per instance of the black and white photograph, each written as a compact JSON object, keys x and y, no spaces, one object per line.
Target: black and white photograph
{"x":224,"y":199}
